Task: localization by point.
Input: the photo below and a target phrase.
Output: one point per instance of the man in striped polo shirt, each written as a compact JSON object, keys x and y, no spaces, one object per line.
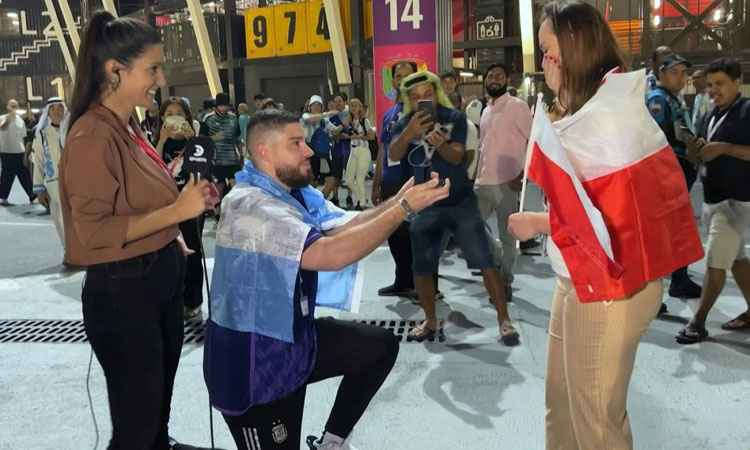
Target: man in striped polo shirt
{"x":222,"y":126}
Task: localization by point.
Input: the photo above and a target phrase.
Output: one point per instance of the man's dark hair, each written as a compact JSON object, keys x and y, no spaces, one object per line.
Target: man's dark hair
{"x":342,"y":95}
{"x":267,"y":120}
{"x":729,"y":66}
{"x":269,"y":103}
{"x":404,"y":62}
{"x":660,"y":53}
{"x":259,"y":96}
{"x":496,"y":66}
{"x":448,"y":74}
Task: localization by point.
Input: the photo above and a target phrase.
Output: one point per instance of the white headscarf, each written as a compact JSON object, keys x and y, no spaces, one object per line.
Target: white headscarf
{"x":44,"y":120}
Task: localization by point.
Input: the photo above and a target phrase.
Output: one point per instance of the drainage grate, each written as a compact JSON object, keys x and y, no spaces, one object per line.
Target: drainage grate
{"x":24,"y":331}
{"x":67,"y":332}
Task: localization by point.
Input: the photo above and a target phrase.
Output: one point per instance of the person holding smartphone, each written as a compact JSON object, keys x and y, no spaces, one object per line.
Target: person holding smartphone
{"x":173,"y":129}
{"x":431,"y":136}
{"x":674,"y":120}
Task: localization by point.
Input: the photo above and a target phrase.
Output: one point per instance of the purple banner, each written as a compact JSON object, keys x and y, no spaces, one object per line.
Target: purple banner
{"x":399,"y":22}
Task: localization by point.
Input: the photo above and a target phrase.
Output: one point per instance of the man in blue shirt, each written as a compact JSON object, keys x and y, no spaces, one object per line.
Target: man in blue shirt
{"x":390,"y":175}
{"x":263,"y":343}
{"x":436,"y":142}
{"x":672,"y":115}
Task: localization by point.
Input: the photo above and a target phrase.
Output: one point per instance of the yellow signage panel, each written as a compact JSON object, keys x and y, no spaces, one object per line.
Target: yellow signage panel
{"x":318,"y":35}
{"x":367,"y":13}
{"x":260,"y":33}
{"x":291,"y":29}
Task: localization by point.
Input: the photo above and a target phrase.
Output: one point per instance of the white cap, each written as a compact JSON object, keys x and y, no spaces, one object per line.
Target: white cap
{"x":315,"y":99}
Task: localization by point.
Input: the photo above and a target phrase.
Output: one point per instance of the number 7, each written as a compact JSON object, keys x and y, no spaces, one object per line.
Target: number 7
{"x":292,"y":16}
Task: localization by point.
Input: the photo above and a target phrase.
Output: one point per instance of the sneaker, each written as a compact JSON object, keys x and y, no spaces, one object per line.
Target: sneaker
{"x":5,"y":202}
{"x":527,"y":245}
{"x":314,"y":443}
{"x":335,"y":201}
{"x":349,"y":202}
{"x":663,"y":309}
{"x":174,"y":445}
{"x":439,"y":296}
{"x":685,"y":289}
{"x":395,"y":291}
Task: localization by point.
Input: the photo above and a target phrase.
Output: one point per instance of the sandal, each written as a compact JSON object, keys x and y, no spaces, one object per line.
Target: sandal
{"x":508,"y":334}
{"x":692,"y":334}
{"x":743,"y":318}
{"x":189,"y":313}
{"x":421,"y":332}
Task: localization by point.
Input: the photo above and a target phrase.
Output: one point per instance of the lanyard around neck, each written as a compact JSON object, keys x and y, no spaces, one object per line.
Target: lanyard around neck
{"x":713,"y":127}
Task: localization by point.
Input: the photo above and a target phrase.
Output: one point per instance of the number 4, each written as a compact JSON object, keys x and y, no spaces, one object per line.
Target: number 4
{"x":410,"y":14}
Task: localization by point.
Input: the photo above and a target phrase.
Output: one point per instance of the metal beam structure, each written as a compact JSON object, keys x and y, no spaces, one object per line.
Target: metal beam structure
{"x":109,"y":6}
{"x":338,"y":42}
{"x":57,"y":30}
{"x":230,"y":10}
{"x":70,"y":22}
{"x":204,"y":46}
{"x":513,"y":41}
{"x":528,"y":48}
{"x":696,"y":23}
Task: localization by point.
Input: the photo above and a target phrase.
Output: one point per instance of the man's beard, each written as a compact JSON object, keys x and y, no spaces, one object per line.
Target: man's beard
{"x":294,"y":177}
{"x":496,"y":90}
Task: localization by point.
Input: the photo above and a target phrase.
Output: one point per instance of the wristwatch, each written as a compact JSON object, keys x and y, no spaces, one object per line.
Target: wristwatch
{"x":410,"y":214}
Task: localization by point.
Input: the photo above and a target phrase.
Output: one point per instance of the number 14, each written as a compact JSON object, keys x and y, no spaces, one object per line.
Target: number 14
{"x":410,"y":14}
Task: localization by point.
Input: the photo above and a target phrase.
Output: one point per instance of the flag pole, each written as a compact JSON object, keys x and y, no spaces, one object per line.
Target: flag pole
{"x":538,"y":108}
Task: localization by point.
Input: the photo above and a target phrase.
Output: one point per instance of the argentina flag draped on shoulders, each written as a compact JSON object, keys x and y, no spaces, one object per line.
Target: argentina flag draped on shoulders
{"x":259,"y":247}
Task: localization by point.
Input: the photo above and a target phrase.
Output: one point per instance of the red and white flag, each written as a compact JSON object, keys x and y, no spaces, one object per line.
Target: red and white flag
{"x":620,"y":212}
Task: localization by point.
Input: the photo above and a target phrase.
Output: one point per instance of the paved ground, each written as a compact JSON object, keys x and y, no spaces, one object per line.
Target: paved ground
{"x":468,"y":392}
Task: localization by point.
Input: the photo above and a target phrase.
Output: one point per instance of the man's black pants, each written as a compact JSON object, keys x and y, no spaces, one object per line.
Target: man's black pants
{"x":12,"y":167}
{"x":691,"y":174}
{"x":399,"y":242}
{"x":363,"y":354}
{"x":132,"y":313}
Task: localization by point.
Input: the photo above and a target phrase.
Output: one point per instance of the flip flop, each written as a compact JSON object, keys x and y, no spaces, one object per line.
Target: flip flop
{"x":508,"y":334}
{"x":424,"y":331}
{"x":744,"y":318}
{"x":692,"y":334}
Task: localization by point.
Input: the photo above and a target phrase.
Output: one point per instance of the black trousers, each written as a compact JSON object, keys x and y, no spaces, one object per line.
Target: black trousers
{"x":363,"y":354}
{"x":192,"y":231}
{"x":13,"y":167}
{"x":691,"y":174}
{"x":399,"y":242}
{"x":132,"y":313}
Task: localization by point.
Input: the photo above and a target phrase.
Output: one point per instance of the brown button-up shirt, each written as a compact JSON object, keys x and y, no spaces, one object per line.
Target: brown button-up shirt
{"x":106,"y":178}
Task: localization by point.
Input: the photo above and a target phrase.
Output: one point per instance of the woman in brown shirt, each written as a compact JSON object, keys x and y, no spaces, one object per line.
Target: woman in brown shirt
{"x":121,"y":209}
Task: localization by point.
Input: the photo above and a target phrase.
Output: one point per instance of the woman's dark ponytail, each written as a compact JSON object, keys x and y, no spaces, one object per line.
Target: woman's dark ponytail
{"x":105,"y":38}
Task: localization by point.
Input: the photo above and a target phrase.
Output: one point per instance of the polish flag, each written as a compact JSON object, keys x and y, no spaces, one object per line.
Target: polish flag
{"x":620,"y":212}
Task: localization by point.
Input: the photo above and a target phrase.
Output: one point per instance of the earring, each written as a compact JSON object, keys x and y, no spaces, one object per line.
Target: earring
{"x":114,"y":82}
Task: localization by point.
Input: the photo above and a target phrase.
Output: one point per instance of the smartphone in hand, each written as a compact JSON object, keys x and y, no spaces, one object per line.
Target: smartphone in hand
{"x":426,"y":107}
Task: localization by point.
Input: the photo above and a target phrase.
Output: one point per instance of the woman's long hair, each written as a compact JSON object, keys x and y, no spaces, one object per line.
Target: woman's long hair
{"x":587,"y":47}
{"x":361,"y":110}
{"x":106,"y":38}
{"x":163,"y":110}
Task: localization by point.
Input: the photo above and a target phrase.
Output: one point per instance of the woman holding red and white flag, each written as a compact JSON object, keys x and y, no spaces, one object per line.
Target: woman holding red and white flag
{"x":619,"y":220}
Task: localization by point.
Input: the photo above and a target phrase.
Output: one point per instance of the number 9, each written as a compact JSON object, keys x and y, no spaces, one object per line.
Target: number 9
{"x":260,"y":30}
